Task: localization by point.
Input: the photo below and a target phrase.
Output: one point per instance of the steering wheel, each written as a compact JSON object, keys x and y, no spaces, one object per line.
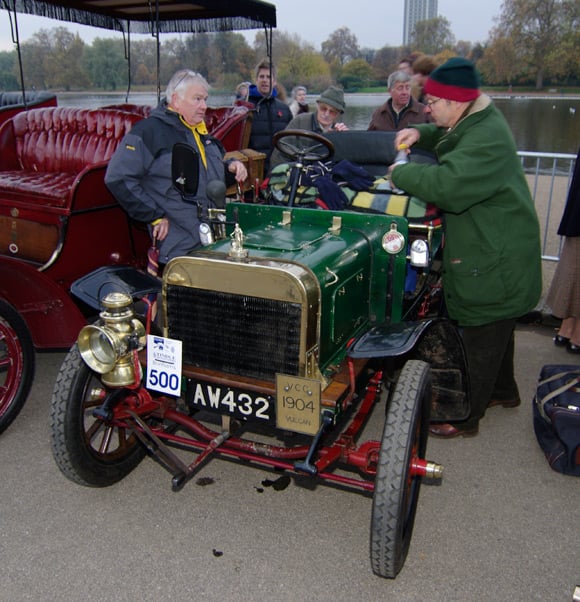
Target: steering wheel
{"x":303,"y":145}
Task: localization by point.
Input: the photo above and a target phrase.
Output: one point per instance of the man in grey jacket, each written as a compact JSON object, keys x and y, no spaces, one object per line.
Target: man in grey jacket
{"x":139,"y":174}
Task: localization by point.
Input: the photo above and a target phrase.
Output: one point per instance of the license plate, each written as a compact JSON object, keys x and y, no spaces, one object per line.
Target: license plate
{"x":227,"y":400}
{"x":297,"y":404}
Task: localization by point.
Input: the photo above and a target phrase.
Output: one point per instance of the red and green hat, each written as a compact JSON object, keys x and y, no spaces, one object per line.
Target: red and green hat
{"x":456,"y":79}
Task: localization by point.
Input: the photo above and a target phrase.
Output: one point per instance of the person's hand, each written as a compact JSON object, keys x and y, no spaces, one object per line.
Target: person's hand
{"x":340,"y":127}
{"x":406,"y":136}
{"x":161,"y":229}
{"x":239,"y":170}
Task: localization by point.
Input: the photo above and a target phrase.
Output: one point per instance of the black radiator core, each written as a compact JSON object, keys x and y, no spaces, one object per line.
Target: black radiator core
{"x":239,"y":334}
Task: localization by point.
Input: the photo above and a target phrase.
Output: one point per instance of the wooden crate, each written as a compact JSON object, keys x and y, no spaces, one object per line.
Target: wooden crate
{"x":254,"y":162}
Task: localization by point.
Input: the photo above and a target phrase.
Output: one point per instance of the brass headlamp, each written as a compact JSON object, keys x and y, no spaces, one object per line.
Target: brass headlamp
{"x":108,"y":348}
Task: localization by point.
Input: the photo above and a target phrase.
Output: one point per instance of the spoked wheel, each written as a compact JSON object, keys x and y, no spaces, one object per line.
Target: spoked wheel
{"x":88,"y":450}
{"x":396,"y":486}
{"x":16,"y":363}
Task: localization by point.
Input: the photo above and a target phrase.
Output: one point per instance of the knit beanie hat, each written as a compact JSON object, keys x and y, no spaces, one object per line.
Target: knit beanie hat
{"x":333,"y":97}
{"x":456,"y":79}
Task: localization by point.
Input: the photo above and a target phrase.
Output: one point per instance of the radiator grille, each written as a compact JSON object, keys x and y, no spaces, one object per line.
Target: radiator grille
{"x":239,"y":334}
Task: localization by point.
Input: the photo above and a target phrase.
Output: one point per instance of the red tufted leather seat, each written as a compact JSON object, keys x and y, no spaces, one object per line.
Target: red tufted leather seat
{"x":45,"y":153}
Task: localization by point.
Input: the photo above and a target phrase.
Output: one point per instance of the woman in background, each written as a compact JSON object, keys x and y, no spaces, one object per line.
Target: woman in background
{"x":243,"y":91}
{"x":298,"y":104}
{"x":564,"y":295}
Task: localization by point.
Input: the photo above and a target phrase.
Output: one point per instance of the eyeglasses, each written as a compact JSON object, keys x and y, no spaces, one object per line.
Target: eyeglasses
{"x":327,"y":109}
{"x":430,"y":103}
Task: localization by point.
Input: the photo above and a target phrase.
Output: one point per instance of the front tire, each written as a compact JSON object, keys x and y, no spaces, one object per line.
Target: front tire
{"x":17,"y":363}
{"x":396,"y":489}
{"x":88,"y":450}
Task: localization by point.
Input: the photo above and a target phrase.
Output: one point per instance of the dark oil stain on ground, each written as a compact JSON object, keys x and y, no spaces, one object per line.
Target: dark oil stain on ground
{"x":203,"y":481}
{"x":278,"y":485}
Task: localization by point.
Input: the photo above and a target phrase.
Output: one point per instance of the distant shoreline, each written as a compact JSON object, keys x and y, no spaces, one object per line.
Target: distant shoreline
{"x":492,"y":93}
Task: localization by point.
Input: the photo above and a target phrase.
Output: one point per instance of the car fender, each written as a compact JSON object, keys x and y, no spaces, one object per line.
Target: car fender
{"x":50,"y":313}
{"x":120,"y":278}
{"x":436,"y":341}
{"x":389,"y":340}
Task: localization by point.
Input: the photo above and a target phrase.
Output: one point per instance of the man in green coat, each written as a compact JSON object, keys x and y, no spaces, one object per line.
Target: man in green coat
{"x":492,"y":257}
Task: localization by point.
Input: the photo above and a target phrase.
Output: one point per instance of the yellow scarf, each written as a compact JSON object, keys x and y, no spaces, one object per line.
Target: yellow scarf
{"x":198,"y":130}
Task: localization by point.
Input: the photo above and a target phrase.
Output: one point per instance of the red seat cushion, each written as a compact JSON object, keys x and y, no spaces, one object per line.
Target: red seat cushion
{"x":53,"y":146}
{"x":48,"y":188}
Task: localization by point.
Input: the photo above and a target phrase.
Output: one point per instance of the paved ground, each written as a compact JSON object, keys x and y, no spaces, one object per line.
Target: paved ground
{"x":502,"y":527}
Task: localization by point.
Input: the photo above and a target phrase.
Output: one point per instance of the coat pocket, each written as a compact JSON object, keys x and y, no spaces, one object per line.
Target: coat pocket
{"x":476,"y":280}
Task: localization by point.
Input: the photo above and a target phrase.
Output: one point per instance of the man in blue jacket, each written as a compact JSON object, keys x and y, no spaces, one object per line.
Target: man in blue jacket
{"x":271,"y":115}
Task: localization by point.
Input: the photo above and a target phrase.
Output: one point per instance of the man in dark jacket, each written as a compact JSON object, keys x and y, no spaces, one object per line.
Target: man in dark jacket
{"x":401,"y":110}
{"x":271,"y":115}
{"x":492,"y":258}
{"x":139,"y":174}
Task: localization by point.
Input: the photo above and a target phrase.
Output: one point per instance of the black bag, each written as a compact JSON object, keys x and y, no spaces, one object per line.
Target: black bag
{"x":557,"y":417}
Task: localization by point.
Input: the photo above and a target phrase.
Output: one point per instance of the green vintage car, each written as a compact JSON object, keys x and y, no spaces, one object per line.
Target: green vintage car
{"x":276,"y":344}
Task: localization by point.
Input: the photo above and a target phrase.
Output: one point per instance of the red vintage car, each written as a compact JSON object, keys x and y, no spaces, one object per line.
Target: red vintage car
{"x":58,"y":221}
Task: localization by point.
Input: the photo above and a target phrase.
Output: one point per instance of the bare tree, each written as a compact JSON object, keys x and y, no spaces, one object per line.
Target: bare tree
{"x":341,"y":46}
{"x":385,"y":62}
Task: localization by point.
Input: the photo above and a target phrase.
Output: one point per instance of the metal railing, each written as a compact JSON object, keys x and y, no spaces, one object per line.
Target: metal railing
{"x":549,"y":176}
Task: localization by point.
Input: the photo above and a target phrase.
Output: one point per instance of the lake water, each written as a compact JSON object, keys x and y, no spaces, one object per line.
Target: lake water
{"x":550,"y":125}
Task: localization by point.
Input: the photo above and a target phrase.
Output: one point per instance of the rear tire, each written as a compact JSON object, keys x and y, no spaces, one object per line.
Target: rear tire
{"x":17,"y":364}
{"x":88,"y":450}
{"x":396,"y":491}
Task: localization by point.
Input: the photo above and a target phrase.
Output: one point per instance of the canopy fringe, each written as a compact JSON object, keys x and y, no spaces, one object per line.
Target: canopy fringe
{"x":178,"y":18}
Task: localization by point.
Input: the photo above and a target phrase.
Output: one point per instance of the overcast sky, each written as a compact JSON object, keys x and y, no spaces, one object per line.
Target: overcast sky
{"x":375,"y":23}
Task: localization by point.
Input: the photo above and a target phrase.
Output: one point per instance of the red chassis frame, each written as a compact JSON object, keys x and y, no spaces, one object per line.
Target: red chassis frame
{"x":140,"y":404}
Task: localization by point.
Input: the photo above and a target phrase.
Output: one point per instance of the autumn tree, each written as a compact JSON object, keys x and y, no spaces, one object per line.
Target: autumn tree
{"x":304,"y":66}
{"x":499,"y":63}
{"x":341,"y":46}
{"x":356,"y":74}
{"x":63,"y":61}
{"x":569,"y":66}
{"x":53,"y":59}
{"x":34,"y":53}
{"x":536,"y":28}
{"x":432,"y":35}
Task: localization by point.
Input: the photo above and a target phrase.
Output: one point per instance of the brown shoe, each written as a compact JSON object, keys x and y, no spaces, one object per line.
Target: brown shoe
{"x":448,"y":431}
{"x":506,"y":403}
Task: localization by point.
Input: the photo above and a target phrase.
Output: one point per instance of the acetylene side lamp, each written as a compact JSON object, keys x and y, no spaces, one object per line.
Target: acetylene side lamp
{"x":109,"y":349}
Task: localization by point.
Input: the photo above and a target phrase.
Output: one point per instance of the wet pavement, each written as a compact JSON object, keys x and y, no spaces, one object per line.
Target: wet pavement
{"x":501,"y":526}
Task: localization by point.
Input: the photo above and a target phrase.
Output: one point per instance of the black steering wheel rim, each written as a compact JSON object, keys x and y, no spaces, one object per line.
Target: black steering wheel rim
{"x":322,"y":149}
